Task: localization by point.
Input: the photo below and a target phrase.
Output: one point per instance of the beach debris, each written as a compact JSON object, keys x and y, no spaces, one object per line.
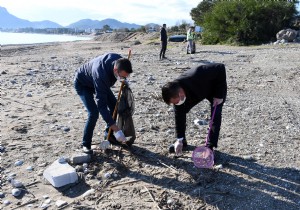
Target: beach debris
{"x":88,"y":193}
{"x":248,"y":157}
{"x":220,"y":166}
{"x":60,"y":173}
{"x":200,"y":122}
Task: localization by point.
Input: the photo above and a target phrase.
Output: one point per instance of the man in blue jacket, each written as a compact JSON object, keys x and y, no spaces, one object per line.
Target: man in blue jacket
{"x":95,"y":78}
{"x":190,"y":88}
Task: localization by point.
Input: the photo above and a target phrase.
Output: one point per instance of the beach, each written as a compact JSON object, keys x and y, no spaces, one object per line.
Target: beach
{"x":258,"y":161}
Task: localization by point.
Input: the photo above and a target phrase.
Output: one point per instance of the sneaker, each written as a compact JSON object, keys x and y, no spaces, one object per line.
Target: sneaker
{"x":184,"y":147}
{"x":87,"y":150}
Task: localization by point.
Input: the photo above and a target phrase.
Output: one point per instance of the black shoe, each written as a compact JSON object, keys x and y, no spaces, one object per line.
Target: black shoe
{"x":184,"y":147}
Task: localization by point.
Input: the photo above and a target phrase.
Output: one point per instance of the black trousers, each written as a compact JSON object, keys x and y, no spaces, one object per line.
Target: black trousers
{"x":180,"y":121}
{"x":163,"y":49}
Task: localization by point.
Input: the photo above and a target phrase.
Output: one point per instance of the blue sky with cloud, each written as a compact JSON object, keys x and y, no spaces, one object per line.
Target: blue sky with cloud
{"x":65,"y":12}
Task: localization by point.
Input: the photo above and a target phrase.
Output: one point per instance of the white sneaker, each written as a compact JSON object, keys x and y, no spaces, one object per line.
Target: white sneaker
{"x":86,"y":150}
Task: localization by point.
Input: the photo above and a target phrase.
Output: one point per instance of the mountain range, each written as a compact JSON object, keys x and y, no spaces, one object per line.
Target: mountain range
{"x":9,"y":21}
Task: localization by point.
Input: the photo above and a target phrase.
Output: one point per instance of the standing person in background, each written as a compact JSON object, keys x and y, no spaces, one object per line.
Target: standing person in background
{"x":164,"y":41}
{"x":92,"y":83}
{"x":190,"y":36}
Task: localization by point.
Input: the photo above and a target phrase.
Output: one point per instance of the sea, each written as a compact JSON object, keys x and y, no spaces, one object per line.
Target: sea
{"x":7,"y":38}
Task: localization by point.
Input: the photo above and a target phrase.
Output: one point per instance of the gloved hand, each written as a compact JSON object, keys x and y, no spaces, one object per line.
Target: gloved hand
{"x":178,"y":147}
{"x":217,"y":101}
{"x":104,"y":145}
{"x":120,"y":136}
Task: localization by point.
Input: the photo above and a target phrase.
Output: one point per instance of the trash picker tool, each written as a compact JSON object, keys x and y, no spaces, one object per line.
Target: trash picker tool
{"x":118,"y":100}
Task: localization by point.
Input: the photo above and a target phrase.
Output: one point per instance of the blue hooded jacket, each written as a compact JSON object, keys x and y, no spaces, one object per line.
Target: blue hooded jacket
{"x":98,"y":74}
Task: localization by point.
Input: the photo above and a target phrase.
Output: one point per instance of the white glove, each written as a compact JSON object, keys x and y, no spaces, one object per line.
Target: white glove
{"x":104,"y":145}
{"x":120,"y":136}
{"x":178,"y":147}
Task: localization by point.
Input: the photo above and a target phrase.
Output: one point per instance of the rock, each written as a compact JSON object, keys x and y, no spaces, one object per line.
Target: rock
{"x":6,"y":202}
{"x":19,"y":163}
{"x":16,"y":183}
{"x":2,"y":194}
{"x":248,"y":157}
{"x":16,"y":192}
{"x":66,"y":129}
{"x":287,"y":34}
{"x":2,"y":149}
{"x":81,"y":158}
{"x":60,"y":203}
{"x":29,"y":95}
{"x":107,"y":175}
{"x":29,"y":168}
{"x":170,"y":201}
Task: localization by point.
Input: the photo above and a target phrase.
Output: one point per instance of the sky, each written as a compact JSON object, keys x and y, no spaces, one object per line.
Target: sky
{"x":65,"y":12}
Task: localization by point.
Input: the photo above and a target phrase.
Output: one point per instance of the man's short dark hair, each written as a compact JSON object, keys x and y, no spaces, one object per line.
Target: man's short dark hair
{"x":123,"y":64}
{"x":170,"y":90}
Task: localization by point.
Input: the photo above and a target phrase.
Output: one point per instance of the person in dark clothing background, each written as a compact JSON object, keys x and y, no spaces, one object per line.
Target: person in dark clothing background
{"x":164,"y":41}
{"x":190,"y":88}
{"x":96,"y":78}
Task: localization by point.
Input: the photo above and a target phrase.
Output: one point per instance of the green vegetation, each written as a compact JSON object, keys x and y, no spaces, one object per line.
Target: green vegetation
{"x":243,"y":22}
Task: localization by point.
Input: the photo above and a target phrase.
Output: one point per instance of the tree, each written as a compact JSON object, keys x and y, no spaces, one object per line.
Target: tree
{"x":246,"y":22}
{"x":202,"y":8}
{"x":106,"y":28}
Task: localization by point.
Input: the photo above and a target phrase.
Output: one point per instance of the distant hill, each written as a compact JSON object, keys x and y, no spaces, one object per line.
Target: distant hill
{"x":8,"y":21}
{"x":114,"y":24}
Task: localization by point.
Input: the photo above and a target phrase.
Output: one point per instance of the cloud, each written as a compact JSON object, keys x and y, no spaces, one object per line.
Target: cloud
{"x":66,"y":12}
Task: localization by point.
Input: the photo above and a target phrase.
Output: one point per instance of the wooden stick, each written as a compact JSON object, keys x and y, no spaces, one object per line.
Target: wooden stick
{"x":125,"y":183}
{"x":24,"y":204}
{"x":152,"y":197}
{"x":174,"y":169}
{"x":119,"y":97}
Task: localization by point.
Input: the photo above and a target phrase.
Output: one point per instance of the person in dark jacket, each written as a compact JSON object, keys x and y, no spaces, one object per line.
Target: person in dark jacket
{"x":95,"y":78}
{"x":164,"y":41}
{"x":190,"y":88}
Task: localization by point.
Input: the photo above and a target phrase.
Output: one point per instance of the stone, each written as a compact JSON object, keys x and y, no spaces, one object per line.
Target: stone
{"x":16,"y":192}
{"x":60,"y":203}
{"x":2,"y":194}
{"x":81,"y":158}
{"x":16,"y":183}
{"x":19,"y":163}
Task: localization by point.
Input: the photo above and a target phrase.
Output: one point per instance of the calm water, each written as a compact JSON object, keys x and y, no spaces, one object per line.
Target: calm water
{"x":24,"y":38}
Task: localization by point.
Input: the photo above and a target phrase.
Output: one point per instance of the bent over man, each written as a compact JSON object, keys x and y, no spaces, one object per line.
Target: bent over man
{"x":190,"y":88}
{"x":95,"y":78}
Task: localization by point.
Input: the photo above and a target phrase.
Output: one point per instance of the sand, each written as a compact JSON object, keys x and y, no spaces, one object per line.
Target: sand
{"x":257,"y":165}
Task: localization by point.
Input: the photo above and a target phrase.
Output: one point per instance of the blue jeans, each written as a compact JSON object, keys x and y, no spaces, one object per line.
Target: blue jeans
{"x":86,"y":95}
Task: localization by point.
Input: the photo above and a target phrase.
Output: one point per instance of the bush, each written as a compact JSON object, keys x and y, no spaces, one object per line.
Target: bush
{"x":246,"y":22}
